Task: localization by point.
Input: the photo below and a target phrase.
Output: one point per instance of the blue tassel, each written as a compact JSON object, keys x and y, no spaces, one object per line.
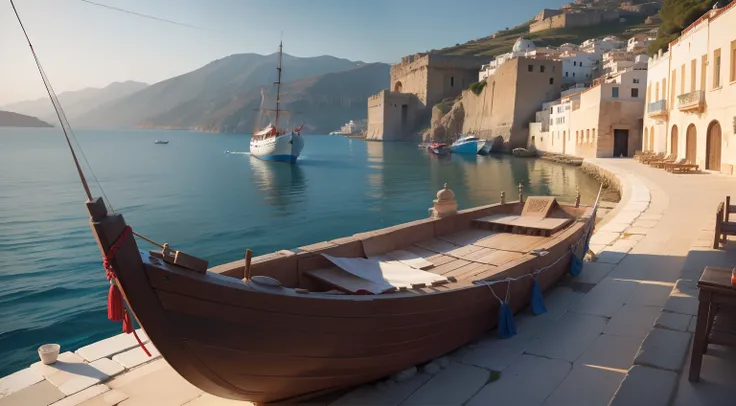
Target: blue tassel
{"x":538,"y":306}
{"x":576,"y":266}
{"x":506,"y":324}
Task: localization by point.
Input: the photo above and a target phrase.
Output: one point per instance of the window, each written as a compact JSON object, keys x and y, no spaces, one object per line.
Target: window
{"x":717,"y":68}
{"x":566,"y":74}
{"x":551,"y":81}
{"x":733,"y":61}
{"x":574,"y":63}
{"x":672,"y":89}
{"x":573,"y":74}
{"x":452,"y":81}
{"x":553,"y":68}
{"x":541,"y":68}
{"x":593,"y":140}
{"x":634,"y":92}
{"x":703,"y":64}
{"x":614,"y":92}
{"x":682,"y":79}
{"x":531,"y":68}
{"x":693,"y":66}
{"x":636,"y":80}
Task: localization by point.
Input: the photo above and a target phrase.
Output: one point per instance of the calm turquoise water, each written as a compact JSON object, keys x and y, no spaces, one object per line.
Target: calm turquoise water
{"x":211,"y":204}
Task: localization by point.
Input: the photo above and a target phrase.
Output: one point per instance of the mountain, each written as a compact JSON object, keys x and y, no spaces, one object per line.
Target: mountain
{"x":321,"y":102}
{"x":10,"y":119}
{"x":184,"y":100}
{"x":76,"y":103}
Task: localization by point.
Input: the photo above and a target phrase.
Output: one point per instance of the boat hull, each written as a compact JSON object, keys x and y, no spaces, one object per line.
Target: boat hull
{"x":235,"y":341}
{"x":470,"y":147}
{"x":283,"y":148}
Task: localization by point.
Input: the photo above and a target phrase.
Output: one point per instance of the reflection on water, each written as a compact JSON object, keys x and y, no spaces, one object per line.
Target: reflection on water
{"x":282,"y":185}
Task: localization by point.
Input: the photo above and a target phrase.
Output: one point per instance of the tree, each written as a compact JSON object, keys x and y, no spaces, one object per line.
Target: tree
{"x":676,"y":16}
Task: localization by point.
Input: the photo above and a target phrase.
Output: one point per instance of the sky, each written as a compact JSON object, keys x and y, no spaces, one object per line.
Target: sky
{"x":82,"y":45}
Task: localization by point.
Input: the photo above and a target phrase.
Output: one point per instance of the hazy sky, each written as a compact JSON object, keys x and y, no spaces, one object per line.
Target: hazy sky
{"x":82,"y":45}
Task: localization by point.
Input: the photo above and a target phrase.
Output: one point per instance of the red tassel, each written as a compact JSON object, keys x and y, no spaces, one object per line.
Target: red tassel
{"x":114,"y":303}
{"x":127,"y":324}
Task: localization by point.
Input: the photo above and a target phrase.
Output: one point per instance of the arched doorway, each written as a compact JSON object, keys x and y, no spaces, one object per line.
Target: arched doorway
{"x":397,"y":87}
{"x":646,"y":139}
{"x":691,"y":142}
{"x":651,"y":138}
{"x":673,"y":141}
{"x":713,"y":147}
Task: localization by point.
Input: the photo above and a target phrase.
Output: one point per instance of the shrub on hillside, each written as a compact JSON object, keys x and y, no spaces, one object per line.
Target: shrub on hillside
{"x":477,"y":87}
{"x":676,"y":16}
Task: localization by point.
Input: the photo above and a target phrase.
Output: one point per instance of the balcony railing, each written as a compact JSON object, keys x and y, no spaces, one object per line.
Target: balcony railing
{"x":693,"y":101}
{"x":657,"y":109}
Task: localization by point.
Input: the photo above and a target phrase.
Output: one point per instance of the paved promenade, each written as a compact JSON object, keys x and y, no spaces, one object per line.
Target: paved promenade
{"x":619,"y":333}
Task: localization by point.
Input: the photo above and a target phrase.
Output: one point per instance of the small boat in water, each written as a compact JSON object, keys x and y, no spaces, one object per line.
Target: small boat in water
{"x":160,"y":142}
{"x":439,"y":148}
{"x":469,"y":144}
{"x":523,"y":153}
{"x":272,"y":143}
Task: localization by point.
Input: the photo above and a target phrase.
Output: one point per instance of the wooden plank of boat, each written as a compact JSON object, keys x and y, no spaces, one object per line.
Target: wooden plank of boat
{"x":409,"y":258}
{"x":466,"y":237}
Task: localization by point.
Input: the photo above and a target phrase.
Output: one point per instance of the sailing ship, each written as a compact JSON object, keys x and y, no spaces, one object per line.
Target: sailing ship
{"x":296,"y":324}
{"x":274,"y":143}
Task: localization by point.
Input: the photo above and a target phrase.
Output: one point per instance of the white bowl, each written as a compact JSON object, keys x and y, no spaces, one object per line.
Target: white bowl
{"x":49,"y":353}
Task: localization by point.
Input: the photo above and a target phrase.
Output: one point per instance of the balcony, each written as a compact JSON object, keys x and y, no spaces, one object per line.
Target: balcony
{"x":691,"y":102}
{"x":657,"y":109}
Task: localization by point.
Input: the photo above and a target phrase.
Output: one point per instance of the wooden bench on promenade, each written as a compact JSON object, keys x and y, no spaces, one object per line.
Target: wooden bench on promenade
{"x":681,"y":166}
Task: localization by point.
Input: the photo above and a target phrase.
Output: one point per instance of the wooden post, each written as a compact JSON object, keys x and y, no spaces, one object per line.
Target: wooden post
{"x":521,"y":193}
{"x":577,"y":198}
{"x":248,"y":257}
{"x":503,"y":197}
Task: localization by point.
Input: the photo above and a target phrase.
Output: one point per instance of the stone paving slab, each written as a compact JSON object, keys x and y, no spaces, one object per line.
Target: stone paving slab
{"x":650,"y":293}
{"x":453,"y":386}
{"x":673,"y":321}
{"x":571,"y":336}
{"x":606,"y":297}
{"x":111,"y":346}
{"x":644,"y":386}
{"x":664,"y":349}
{"x":527,"y":382}
{"x":82,"y":396}
{"x":19,"y":380}
{"x":632,"y":320}
{"x":610,"y":256}
{"x":496,"y":354}
{"x":387,"y":393}
{"x":70,"y":373}
{"x":42,"y":393}
{"x":716,"y":386}
{"x":684,"y":298}
{"x":135,"y":357}
{"x":594,"y":272}
{"x":597,"y":373}
{"x":161,"y":387}
{"x":110,"y":398}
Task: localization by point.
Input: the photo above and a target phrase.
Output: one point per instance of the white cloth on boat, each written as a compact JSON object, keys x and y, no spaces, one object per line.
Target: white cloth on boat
{"x":384,"y":275}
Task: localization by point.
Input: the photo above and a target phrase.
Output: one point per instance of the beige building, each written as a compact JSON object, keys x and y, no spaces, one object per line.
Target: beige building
{"x":691,"y":94}
{"x":418,"y":83}
{"x":602,"y":121}
{"x":510,"y":99}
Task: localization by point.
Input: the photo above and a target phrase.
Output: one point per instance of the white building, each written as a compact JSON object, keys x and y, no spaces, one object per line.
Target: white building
{"x":522,"y":48}
{"x":600,"y":46}
{"x":639,"y":43}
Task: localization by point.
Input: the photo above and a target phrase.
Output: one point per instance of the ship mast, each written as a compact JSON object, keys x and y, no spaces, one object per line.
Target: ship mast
{"x":278,"y":83}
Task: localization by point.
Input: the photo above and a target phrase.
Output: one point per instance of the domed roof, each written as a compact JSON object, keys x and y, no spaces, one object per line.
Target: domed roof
{"x":445,"y":194}
{"x":523,"y":45}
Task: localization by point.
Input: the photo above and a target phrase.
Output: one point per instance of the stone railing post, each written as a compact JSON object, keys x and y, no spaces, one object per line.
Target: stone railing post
{"x":521,"y":193}
{"x":503,"y":197}
{"x":577,"y":197}
{"x":445,"y":204}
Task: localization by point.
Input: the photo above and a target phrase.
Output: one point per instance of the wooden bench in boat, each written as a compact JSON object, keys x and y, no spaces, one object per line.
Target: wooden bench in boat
{"x":724,"y":227}
{"x":533,"y":219}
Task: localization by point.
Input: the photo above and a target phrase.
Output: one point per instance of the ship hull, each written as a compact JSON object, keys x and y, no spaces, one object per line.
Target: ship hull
{"x":282,"y":148}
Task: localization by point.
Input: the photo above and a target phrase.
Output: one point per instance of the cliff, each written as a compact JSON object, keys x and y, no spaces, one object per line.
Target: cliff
{"x":9,"y":119}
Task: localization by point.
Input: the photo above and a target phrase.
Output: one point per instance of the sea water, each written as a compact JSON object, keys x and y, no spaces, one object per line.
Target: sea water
{"x":211,"y":204}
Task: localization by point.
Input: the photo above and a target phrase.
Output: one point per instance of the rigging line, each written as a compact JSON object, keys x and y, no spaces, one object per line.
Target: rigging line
{"x":67,"y":129}
{"x":51,"y":93}
{"x":135,"y":13}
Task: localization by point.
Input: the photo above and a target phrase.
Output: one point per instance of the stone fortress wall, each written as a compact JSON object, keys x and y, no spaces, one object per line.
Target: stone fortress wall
{"x":575,"y":19}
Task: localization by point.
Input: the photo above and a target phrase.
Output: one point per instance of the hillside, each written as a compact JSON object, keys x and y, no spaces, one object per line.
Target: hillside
{"x":320,"y":102}
{"x":10,"y":119}
{"x":76,"y":103}
{"x":183,"y":100}
{"x":502,"y":41}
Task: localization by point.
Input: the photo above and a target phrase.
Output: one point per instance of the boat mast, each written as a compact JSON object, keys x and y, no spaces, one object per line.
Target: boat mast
{"x":278,"y":83}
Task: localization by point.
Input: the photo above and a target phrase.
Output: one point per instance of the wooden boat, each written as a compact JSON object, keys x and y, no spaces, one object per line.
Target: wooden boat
{"x":160,"y":142}
{"x":523,"y":153}
{"x":438,"y":148}
{"x":291,"y":325}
